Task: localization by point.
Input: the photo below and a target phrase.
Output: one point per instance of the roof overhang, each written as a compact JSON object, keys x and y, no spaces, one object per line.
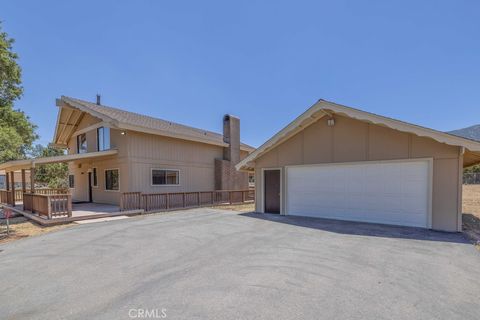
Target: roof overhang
{"x":325,"y":108}
{"x":71,"y":113}
{"x":31,"y":163}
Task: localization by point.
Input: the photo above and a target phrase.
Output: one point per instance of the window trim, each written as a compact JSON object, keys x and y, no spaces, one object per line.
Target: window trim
{"x":109,"y":138}
{"x":105,"y":180}
{"x":164,"y":185}
{"x":95,"y":170}
{"x":78,"y":143}
{"x":71,"y":175}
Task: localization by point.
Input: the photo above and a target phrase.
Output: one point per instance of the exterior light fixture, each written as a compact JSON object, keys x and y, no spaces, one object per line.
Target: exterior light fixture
{"x":331,"y":122}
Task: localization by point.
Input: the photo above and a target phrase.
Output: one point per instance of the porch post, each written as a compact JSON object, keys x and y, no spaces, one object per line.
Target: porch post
{"x":24,"y":183}
{"x":12,"y":173}
{"x":7,"y":180}
{"x":32,"y":180}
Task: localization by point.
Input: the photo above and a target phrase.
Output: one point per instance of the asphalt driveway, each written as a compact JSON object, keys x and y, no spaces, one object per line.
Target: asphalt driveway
{"x":215,"y":264}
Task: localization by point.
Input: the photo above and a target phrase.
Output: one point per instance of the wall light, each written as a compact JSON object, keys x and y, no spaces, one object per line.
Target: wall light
{"x":331,"y":122}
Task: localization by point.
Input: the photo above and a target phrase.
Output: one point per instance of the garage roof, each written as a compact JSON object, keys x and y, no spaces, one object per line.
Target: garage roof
{"x":325,"y":108}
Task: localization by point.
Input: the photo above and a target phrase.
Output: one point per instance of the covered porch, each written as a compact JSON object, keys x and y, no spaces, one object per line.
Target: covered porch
{"x":47,"y":203}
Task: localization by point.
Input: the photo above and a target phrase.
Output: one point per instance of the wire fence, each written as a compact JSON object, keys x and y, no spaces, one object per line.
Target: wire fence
{"x":471,"y":178}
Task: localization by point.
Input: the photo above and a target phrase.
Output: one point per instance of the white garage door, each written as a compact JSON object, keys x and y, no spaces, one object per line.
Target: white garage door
{"x":388,"y":192}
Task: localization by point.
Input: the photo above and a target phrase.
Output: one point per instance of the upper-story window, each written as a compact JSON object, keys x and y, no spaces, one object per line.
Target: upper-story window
{"x":103,"y":139}
{"x":82,"y":143}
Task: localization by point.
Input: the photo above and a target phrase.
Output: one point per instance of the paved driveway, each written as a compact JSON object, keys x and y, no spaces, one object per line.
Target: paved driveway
{"x":215,"y":264}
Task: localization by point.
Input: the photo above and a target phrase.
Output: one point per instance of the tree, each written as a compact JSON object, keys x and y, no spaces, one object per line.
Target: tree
{"x":17,"y":133}
{"x":55,"y":175}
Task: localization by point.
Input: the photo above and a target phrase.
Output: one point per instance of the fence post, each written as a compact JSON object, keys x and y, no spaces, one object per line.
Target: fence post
{"x":167,"y":201}
{"x":49,"y":208}
{"x":69,"y":204}
{"x":198,"y":199}
{"x":183,"y":197}
{"x":230,"y":197}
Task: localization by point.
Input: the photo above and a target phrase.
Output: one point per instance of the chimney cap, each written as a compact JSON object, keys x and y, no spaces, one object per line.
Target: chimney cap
{"x":228,"y":116}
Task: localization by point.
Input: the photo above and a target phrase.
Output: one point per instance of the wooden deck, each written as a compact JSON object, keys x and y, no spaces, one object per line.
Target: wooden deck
{"x":82,"y":211}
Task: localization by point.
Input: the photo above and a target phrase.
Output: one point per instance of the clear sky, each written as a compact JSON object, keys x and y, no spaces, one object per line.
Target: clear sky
{"x":264,"y":61}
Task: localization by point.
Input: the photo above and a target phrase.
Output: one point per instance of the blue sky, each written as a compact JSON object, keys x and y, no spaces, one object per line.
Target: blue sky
{"x":264,"y":61}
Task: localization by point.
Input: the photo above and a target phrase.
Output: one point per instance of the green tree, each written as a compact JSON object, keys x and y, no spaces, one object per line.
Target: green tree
{"x":55,"y":175}
{"x":17,"y":133}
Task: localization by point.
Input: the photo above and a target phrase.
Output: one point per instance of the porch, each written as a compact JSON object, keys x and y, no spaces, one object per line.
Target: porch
{"x":25,"y":197}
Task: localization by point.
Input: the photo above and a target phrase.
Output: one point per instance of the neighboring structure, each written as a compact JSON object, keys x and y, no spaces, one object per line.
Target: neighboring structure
{"x":342,"y":163}
{"x":112,"y":151}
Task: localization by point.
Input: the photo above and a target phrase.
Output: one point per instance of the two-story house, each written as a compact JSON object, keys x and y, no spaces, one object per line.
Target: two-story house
{"x":111,"y":151}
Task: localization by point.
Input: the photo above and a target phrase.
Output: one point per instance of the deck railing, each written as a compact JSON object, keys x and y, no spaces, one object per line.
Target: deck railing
{"x":179,"y":200}
{"x":4,"y":194}
{"x":49,"y":205}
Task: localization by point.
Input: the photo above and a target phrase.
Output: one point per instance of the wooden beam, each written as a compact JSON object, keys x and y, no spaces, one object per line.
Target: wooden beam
{"x":32,"y":180}
{"x":7,"y":180}
{"x":77,"y":121}
{"x":24,"y":183}
{"x":69,"y":117}
{"x":12,"y":173}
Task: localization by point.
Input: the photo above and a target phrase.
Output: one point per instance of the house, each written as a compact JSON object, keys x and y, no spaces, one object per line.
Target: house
{"x":342,"y":163}
{"x":111,"y":152}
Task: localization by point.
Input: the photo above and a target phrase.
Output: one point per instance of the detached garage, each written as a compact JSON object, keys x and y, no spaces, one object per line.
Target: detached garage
{"x":338,"y":162}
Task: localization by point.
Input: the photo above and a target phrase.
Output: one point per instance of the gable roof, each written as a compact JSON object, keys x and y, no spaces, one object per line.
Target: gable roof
{"x":127,"y":120}
{"x":325,"y":108}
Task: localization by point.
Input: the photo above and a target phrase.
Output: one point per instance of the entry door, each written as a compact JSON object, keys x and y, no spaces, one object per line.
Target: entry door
{"x":396,"y":192}
{"x":90,"y":187}
{"x":272,"y":191}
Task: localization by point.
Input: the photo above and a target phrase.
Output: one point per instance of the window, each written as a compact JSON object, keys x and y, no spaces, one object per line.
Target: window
{"x":103,"y":139}
{"x":112,"y":180}
{"x":82,"y":143}
{"x":165,"y":177}
{"x":95,"y":180}
{"x":71,"y":181}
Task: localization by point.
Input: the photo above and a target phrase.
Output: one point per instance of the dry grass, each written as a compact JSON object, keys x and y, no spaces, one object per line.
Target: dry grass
{"x":21,"y":228}
{"x":471,"y":212}
{"x":249,"y":207}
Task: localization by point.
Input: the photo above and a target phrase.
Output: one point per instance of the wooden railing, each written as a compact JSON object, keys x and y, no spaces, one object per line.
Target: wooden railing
{"x":178,"y":200}
{"x":49,"y":205}
{"x":6,"y":197}
{"x":19,"y":194}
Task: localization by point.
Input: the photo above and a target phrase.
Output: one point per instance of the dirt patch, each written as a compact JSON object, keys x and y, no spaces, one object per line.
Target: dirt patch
{"x":249,"y":207}
{"x":21,"y":227}
{"x":471,"y":212}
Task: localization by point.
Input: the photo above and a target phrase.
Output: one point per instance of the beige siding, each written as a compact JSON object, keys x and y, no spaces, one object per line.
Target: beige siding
{"x":194,"y":160}
{"x":352,"y":140}
{"x":138,"y":154}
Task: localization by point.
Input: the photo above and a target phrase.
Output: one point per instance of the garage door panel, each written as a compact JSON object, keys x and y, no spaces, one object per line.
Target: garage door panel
{"x":390,"y":192}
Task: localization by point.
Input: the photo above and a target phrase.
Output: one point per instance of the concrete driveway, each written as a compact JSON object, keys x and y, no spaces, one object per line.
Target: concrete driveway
{"x":214,"y":264}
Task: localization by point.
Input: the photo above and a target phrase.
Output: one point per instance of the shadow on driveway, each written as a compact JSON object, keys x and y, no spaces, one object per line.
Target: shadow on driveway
{"x":362,"y":228}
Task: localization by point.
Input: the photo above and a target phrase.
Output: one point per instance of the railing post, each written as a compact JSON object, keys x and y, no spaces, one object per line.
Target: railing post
{"x":49,"y":208}
{"x":13,"y":187}
{"x":69,"y":205}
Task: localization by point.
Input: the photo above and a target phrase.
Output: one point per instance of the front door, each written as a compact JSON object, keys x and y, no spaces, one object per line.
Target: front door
{"x":90,"y":187}
{"x":272,"y":191}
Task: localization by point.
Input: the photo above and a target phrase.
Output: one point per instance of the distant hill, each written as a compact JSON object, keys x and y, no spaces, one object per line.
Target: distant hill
{"x":472,"y":132}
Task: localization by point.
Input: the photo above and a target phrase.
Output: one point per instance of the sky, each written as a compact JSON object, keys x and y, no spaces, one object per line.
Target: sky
{"x":264,"y":61}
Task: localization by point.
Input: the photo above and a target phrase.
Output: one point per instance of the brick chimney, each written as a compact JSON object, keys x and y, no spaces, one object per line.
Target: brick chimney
{"x":226,"y":176}
{"x":231,"y":135}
